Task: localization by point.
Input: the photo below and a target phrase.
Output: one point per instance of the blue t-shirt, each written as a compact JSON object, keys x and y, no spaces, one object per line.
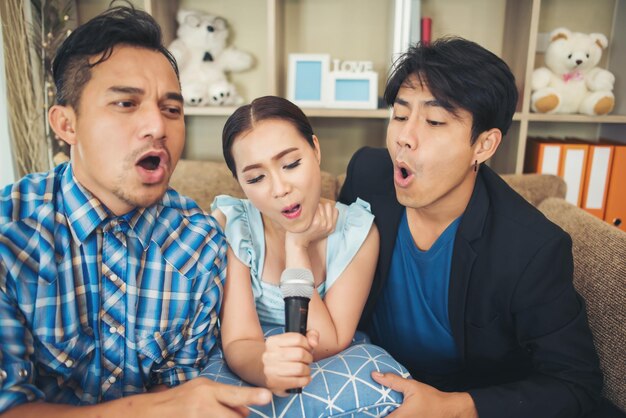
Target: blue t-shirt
{"x":411,"y":316}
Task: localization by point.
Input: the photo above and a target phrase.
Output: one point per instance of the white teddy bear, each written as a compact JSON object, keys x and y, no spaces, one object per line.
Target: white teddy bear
{"x":223,"y":93}
{"x":203,"y":58}
{"x":572,"y":83}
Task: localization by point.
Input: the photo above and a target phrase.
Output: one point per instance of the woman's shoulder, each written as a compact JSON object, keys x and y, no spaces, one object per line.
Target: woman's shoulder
{"x":243,"y":226}
{"x":355,"y":215}
{"x":235,"y":209}
{"x":226,"y":203}
{"x":353,"y":226}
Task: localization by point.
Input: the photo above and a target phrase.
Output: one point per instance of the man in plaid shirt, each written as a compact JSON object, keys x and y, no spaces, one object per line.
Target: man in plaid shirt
{"x":111,"y":283}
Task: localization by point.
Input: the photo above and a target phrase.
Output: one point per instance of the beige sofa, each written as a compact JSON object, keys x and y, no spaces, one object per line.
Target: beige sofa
{"x":599,"y":253}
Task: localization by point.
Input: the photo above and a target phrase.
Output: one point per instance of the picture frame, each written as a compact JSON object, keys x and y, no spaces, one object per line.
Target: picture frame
{"x":352,"y":90}
{"x":307,"y":78}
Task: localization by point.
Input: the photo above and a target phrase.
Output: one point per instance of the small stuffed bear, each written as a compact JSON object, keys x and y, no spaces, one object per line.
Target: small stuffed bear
{"x":223,"y":93}
{"x":572,"y":83}
{"x":203,"y":58}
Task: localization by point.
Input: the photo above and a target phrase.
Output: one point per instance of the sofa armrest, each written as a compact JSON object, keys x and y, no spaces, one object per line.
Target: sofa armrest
{"x":599,"y":251}
{"x":536,"y":187}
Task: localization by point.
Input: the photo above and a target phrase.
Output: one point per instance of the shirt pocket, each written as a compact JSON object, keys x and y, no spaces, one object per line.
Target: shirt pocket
{"x":160,"y":346}
{"x":165,"y":304}
{"x":68,"y":358}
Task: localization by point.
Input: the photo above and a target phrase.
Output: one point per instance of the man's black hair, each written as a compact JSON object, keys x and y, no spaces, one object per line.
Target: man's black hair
{"x":460,"y":74}
{"x":120,"y":25}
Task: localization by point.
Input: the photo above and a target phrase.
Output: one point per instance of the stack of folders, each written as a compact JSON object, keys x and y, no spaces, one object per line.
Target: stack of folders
{"x":595,"y":173}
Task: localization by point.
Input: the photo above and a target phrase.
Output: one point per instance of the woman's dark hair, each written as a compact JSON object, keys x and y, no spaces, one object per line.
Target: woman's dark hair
{"x":262,"y":108}
{"x":460,"y":74}
{"x":117,"y":25}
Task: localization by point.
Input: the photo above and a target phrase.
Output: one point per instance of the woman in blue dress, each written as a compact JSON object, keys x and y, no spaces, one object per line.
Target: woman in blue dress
{"x":284,"y":223}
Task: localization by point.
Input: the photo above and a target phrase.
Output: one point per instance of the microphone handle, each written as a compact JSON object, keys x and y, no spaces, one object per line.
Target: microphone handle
{"x":296,"y":313}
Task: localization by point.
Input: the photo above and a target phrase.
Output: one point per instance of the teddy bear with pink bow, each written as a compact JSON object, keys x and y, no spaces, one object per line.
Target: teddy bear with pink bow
{"x":571,"y":82}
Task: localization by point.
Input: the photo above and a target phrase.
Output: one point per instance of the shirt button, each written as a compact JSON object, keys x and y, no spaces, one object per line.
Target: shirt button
{"x":69,"y":362}
{"x":112,"y":330}
{"x":22,"y":373}
{"x":3,"y":375}
{"x":112,"y":379}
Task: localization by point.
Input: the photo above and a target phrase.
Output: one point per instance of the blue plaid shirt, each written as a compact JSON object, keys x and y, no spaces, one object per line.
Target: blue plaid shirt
{"x":72,"y":332}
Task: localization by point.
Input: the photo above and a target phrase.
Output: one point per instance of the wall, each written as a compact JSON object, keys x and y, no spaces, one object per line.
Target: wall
{"x":7,"y":173}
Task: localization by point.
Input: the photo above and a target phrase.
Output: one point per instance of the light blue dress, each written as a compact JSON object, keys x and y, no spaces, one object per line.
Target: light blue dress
{"x":341,"y":385}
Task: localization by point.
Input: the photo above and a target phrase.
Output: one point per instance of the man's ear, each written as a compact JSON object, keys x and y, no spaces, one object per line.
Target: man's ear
{"x":63,"y":122}
{"x":487,"y":144}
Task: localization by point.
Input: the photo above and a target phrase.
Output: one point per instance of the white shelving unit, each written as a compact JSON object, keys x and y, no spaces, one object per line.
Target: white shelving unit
{"x":362,"y":30}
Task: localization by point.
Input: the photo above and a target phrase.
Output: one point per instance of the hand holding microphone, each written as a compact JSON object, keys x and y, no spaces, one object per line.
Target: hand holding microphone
{"x":287,"y":356}
{"x":296,"y":285}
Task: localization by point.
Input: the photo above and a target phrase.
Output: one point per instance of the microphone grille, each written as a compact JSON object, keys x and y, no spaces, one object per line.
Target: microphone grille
{"x":297,"y":282}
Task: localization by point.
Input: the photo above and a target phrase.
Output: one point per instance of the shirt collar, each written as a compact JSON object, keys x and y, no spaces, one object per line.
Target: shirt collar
{"x":85,"y":212}
{"x":142,"y":222}
{"x":82,"y":209}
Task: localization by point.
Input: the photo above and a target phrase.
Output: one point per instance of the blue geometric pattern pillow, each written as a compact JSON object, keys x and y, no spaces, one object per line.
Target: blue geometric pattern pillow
{"x":341,"y":385}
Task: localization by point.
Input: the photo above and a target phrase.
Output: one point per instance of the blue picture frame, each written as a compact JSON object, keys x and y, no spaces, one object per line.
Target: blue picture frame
{"x":307,"y":78}
{"x":353,"y":90}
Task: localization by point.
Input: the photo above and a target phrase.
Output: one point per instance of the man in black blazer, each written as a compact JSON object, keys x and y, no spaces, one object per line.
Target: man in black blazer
{"x":473,"y":290}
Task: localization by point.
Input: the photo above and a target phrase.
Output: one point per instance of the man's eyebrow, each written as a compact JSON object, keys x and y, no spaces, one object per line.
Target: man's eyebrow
{"x":401,"y":102}
{"x":126,"y":90}
{"x":139,"y":92}
{"x":174,"y":96}
{"x":433,"y":103}
{"x":275,"y":157}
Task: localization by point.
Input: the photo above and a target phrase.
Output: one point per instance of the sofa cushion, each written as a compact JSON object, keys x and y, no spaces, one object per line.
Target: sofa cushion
{"x":536,"y":187}
{"x":600,"y":277}
{"x":203,"y":180}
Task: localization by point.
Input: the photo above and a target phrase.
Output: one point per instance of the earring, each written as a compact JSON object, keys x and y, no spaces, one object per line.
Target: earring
{"x":475,"y":166}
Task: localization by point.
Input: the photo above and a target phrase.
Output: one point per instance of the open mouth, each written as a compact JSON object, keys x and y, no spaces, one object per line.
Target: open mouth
{"x":152,"y":166}
{"x":403,"y":175}
{"x":291,"y":209}
{"x":150,"y":163}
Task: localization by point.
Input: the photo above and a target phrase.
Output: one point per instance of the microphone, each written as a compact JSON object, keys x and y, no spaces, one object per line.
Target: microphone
{"x":296,"y":285}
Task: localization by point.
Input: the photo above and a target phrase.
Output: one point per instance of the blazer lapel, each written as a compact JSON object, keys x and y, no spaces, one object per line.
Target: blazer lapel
{"x":463,"y":258}
{"x":387,"y":219}
{"x":387,"y":214}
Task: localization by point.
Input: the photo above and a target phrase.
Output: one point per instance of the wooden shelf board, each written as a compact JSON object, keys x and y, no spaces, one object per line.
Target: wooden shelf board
{"x":312,"y":112}
{"x":347,"y":113}
{"x":544,"y":117}
{"x":210,"y":111}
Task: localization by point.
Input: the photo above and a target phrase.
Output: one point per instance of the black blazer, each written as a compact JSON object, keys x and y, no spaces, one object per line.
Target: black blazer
{"x":518,"y":323}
